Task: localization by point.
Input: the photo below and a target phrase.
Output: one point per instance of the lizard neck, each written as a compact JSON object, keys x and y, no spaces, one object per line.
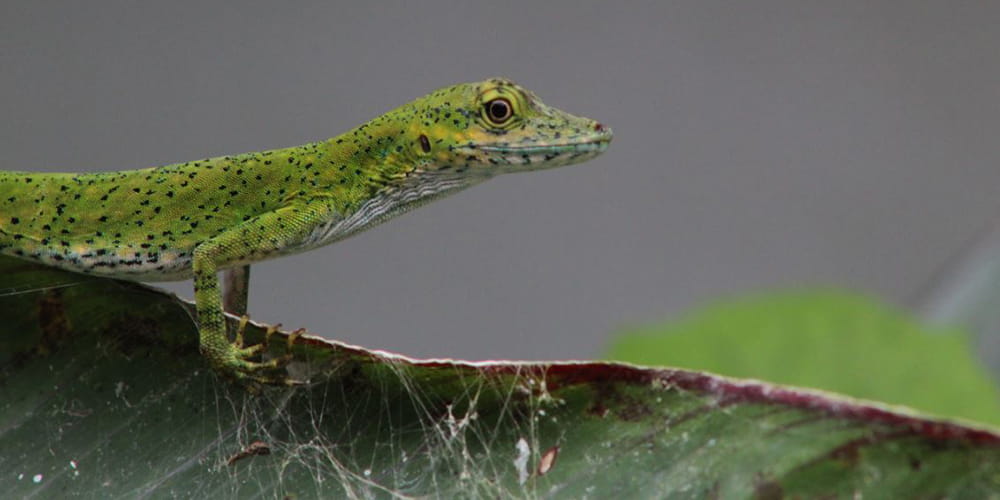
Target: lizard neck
{"x":370,"y":178}
{"x":378,"y":160}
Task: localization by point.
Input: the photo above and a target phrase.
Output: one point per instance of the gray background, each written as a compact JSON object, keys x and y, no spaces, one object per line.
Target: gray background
{"x":758,"y":144}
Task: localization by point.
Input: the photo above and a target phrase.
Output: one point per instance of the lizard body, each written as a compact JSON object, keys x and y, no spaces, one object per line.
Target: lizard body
{"x":194,"y":219}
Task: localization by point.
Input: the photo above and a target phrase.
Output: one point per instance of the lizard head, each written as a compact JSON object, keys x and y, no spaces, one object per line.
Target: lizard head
{"x":496,"y":126}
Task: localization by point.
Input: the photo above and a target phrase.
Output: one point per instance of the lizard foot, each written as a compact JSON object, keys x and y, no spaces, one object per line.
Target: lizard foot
{"x":237,"y":362}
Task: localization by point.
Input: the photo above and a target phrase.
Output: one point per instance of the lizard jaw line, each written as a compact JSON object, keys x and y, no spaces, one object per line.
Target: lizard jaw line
{"x":594,"y":145}
{"x":518,"y":158}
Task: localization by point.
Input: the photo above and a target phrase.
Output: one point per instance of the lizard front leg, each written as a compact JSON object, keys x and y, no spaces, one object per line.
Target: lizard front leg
{"x":255,"y":239}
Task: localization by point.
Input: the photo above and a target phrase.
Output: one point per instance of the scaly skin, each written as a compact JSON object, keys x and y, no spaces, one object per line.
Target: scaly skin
{"x":197,"y":218}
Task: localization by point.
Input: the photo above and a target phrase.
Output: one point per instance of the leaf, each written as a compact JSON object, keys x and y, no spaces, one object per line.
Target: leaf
{"x":834,"y":340}
{"x":104,"y":395}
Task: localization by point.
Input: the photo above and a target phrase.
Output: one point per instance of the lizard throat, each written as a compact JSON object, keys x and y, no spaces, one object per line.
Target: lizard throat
{"x":384,"y":205}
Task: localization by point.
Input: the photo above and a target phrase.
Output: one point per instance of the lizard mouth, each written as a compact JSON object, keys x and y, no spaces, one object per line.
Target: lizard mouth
{"x":598,"y":145}
{"x":596,"y":141}
{"x":538,"y":156}
{"x":526,"y":154}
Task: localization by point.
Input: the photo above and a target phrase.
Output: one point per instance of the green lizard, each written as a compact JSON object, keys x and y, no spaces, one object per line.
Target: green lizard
{"x":195,"y":219}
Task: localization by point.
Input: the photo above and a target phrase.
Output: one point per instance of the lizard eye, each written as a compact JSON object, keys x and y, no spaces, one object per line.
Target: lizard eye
{"x":499,"y":110}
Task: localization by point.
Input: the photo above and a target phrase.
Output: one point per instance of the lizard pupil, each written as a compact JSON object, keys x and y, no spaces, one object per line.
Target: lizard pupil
{"x":499,"y":110}
{"x":425,"y":144}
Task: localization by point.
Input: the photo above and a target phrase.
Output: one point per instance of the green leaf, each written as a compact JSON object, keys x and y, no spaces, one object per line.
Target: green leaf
{"x":833,"y":340}
{"x":103,"y":394}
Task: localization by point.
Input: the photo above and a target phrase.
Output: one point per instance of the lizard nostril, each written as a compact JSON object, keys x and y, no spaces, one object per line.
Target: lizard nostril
{"x":599,"y":127}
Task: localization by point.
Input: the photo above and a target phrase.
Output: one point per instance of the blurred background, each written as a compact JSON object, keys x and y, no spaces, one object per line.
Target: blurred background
{"x":846,"y":145}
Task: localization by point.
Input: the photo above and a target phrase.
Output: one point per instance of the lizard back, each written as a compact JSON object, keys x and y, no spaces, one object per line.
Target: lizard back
{"x":142,"y":224}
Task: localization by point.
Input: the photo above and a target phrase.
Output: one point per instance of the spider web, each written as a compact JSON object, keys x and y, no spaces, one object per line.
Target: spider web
{"x":386,"y":434}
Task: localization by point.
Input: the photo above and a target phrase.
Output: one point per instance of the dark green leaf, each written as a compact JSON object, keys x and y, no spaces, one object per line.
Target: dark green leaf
{"x":103,"y":394}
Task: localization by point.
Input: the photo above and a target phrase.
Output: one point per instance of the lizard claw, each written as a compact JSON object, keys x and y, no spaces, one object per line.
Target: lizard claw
{"x":237,"y":362}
